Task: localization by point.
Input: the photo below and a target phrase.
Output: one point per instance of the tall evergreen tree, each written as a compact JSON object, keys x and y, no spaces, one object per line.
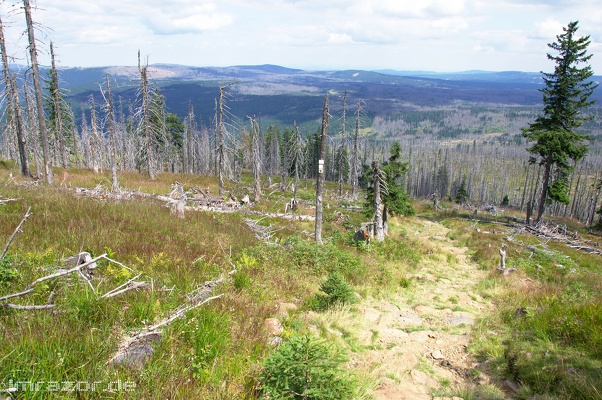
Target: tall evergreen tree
{"x":566,"y":93}
{"x":395,"y":199}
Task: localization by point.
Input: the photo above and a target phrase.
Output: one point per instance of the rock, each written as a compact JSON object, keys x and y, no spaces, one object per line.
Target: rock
{"x":137,"y":352}
{"x":421,"y":378}
{"x":421,"y":336}
{"x":134,"y":356}
{"x":409,"y":317}
{"x":437,"y":355}
{"x":274,"y":341}
{"x":460,"y":318}
{"x":273,"y":327}
{"x":512,"y":385}
{"x":284,"y":309}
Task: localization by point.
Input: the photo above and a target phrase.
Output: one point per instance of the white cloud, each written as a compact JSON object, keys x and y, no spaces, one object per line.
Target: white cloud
{"x":548,"y":29}
{"x":400,"y":34}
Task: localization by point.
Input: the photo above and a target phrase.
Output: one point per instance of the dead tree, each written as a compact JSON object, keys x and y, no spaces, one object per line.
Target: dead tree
{"x":221,"y":138}
{"x":34,"y":137}
{"x":112,"y":135}
{"x":342,"y":158}
{"x":320,"y":176}
{"x":378,"y":214}
{"x":256,"y":158}
{"x":354,"y":172}
{"x":58,"y":117}
{"x":38,"y":91}
{"x":14,"y":109}
{"x":297,"y":153}
{"x":95,"y":139}
{"x":146,"y":118}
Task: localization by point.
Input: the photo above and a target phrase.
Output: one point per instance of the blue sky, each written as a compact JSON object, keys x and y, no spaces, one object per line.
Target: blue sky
{"x":434,"y":35}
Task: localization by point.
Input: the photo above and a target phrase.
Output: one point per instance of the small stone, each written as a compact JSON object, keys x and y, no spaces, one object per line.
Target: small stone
{"x":512,"y":385}
{"x":421,"y":378}
{"x":285,"y":308}
{"x":437,"y":355}
{"x":273,"y":327}
{"x":274,"y":341}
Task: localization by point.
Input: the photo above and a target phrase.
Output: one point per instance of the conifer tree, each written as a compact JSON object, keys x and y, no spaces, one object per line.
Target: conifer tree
{"x":566,"y":93}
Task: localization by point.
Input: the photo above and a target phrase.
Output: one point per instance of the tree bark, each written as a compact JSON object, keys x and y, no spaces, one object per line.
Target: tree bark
{"x":58,"y":121}
{"x":14,"y":109}
{"x":378,"y":215}
{"x":544,"y":188}
{"x":321,"y":171}
{"x":48,"y":173}
{"x":112,"y":136}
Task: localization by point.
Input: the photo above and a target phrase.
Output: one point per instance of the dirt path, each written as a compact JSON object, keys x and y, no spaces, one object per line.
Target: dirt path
{"x":416,"y":340}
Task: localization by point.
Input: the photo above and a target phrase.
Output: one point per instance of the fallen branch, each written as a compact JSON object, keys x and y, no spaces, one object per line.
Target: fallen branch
{"x":10,"y":296}
{"x":27,"y":215}
{"x":180,"y":313}
{"x":90,"y":263}
{"x":124,"y":288}
{"x":20,"y":307}
{"x":135,"y":350}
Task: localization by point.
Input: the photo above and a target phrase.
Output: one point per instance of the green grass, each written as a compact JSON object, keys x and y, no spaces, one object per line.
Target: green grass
{"x":551,"y":345}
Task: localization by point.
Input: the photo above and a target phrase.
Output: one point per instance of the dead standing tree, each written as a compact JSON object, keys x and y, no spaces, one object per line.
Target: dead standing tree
{"x":38,"y":91}
{"x":145,"y":123}
{"x":342,"y":158}
{"x":355,"y":162}
{"x":379,"y":181}
{"x":112,"y":134}
{"x":221,"y":138}
{"x":296,"y":157}
{"x":256,"y":157}
{"x":56,"y":104}
{"x":14,"y":109}
{"x":320,"y":178}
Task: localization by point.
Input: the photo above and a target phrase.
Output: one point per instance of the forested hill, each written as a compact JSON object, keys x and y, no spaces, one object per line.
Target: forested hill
{"x":289,"y":95}
{"x":292,"y":95}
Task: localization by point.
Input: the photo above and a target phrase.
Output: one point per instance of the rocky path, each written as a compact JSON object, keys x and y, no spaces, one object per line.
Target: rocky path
{"x":416,"y":341}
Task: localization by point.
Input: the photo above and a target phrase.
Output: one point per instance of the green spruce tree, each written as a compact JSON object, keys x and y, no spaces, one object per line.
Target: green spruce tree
{"x":554,"y":137}
{"x":395,"y":199}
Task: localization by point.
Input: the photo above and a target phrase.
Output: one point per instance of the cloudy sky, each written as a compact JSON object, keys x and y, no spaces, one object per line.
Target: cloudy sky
{"x":434,"y":35}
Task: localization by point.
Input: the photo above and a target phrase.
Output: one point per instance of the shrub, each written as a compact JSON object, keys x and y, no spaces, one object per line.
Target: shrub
{"x":337,"y":292}
{"x":306,"y":368}
{"x":7,"y":272}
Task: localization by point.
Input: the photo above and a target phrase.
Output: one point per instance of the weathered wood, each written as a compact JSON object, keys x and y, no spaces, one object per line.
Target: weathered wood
{"x":27,"y":215}
{"x":20,"y":307}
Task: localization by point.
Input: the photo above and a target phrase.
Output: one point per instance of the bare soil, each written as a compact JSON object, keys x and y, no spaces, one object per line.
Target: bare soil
{"x":416,"y":340}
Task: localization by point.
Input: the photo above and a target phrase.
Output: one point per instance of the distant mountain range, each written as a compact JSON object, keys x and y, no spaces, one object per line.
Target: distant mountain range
{"x":289,"y":95}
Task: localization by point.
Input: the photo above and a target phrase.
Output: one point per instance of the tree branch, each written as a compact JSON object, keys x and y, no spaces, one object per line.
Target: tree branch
{"x":27,"y":214}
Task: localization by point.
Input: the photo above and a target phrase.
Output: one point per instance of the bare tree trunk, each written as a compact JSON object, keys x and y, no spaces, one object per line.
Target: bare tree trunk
{"x":34,"y":137}
{"x":297,"y":150}
{"x":355,"y":156}
{"x":378,"y":215}
{"x":320,"y":176}
{"x":256,"y":158}
{"x":58,"y":120}
{"x":146,"y":113}
{"x":112,"y":134}
{"x":220,"y":142}
{"x":342,"y":158}
{"x":14,"y":109}
{"x":22,"y":143}
{"x":544,"y":188}
{"x":522,"y":202}
{"x":95,"y":140}
{"x":38,"y":90}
